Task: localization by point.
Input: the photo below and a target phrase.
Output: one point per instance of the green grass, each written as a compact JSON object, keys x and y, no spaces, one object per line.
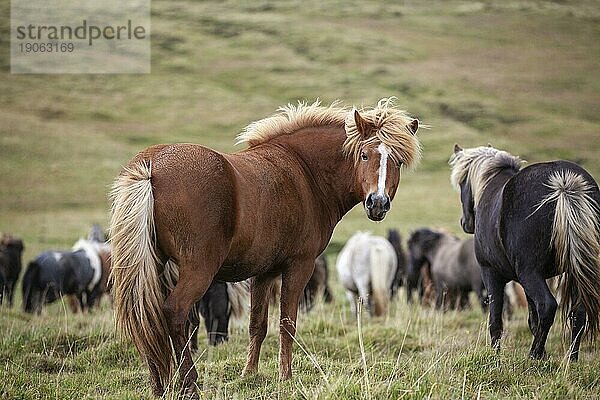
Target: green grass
{"x":521,"y":75}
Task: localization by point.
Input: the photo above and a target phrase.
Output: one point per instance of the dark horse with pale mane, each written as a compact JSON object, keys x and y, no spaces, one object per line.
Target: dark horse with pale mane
{"x":264,"y":211}
{"x":531,"y":224}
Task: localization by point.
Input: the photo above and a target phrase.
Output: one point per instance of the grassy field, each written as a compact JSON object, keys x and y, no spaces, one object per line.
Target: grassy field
{"x":522,"y":75}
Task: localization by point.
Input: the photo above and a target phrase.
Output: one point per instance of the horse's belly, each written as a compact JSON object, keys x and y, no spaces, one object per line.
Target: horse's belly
{"x":239,"y":272}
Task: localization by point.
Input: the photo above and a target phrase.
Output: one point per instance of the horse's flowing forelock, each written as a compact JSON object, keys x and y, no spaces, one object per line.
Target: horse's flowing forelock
{"x":480,"y":165}
{"x":391,"y":129}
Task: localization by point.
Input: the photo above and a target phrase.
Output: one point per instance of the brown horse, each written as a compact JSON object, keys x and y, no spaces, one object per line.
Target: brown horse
{"x":264,"y":211}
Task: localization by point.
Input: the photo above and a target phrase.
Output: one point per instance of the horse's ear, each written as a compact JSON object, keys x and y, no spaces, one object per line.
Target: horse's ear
{"x":363,"y":127}
{"x":413,"y":126}
{"x":457,"y":148}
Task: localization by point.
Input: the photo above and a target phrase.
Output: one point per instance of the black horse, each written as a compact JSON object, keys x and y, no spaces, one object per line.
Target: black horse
{"x":53,"y":274}
{"x":531,"y":224}
{"x":221,"y":302}
{"x":395,"y":239}
{"x":318,"y":284}
{"x":11,"y":250}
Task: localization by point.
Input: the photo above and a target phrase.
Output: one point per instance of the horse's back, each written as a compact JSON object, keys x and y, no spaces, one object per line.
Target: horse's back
{"x":526,"y":220}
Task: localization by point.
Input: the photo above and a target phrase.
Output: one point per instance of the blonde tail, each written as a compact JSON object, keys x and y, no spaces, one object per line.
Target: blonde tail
{"x":379,"y":283}
{"x":239,"y":299}
{"x":137,"y":293}
{"x":576,"y":238}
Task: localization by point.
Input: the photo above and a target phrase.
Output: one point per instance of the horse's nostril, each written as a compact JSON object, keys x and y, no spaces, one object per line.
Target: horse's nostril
{"x":387,"y":204}
{"x":369,"y":202}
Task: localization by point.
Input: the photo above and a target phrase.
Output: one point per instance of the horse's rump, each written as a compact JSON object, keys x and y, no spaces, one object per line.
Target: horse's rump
{"x":559,"y":208}
{"x":366,"y":266}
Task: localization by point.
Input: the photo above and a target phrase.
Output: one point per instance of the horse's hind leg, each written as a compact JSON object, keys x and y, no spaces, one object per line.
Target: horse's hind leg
{"x":441,"y":296}
{"x":190,"y":287}
{"x":578,"y":318}
{"x":260,"y":289}
{"x":541,"y":304}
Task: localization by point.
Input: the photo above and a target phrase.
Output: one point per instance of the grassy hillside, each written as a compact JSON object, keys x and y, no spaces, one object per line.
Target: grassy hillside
{"x":522,"y":75}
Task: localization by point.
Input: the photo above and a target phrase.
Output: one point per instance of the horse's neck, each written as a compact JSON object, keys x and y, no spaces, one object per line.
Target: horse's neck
{"x":330,"y":173}
{"x":491,"y":197}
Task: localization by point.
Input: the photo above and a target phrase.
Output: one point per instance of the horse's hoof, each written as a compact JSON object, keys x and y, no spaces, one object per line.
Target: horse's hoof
{"x":285,"y":375}
{"x":190,"y":393}
{"x":536,"y":355}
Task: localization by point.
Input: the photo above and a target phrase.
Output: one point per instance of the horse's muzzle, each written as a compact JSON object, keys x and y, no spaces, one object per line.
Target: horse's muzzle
{"x":468,"y":225}
{"x":377,"y":206}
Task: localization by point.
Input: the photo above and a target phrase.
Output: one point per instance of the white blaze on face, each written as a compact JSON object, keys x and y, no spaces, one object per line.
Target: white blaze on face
{"x":383,"y":150}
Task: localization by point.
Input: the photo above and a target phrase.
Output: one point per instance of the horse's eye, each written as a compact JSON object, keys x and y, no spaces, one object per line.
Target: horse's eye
{"x":399,"y":165}
{"x":364,"y":156}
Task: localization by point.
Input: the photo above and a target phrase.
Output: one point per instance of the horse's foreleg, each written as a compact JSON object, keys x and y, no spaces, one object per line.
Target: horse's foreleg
{"x":495,"y":286}
{"x":543,"y":303}
{"x":293,"y":281}
{"x":11,"y":292}
{"x":189,"y":289}
{"x":440,"y":294}
{"x":73,"y":302}
{"x":481,"y":297}
{"x":80,"y":301}
{"x":578,"y":318}
{"x":260,"y":289}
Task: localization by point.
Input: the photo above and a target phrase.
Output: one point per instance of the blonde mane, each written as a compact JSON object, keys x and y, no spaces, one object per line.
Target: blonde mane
{"x":290,"y":119}
{"x":480,"y":165}
{"x":390,"y":128}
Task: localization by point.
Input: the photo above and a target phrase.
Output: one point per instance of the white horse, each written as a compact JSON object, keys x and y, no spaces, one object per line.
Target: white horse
{"x":366,"y":267}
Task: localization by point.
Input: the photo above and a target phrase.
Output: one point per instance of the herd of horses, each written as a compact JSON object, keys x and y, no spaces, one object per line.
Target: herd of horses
{"x":198,"y":233}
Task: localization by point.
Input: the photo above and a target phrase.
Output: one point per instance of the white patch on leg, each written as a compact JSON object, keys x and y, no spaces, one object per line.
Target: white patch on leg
{"x":383,"y":150}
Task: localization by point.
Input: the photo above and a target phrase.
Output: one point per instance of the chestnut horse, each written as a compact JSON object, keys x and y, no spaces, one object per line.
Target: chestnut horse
{"x":261,"y":212}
